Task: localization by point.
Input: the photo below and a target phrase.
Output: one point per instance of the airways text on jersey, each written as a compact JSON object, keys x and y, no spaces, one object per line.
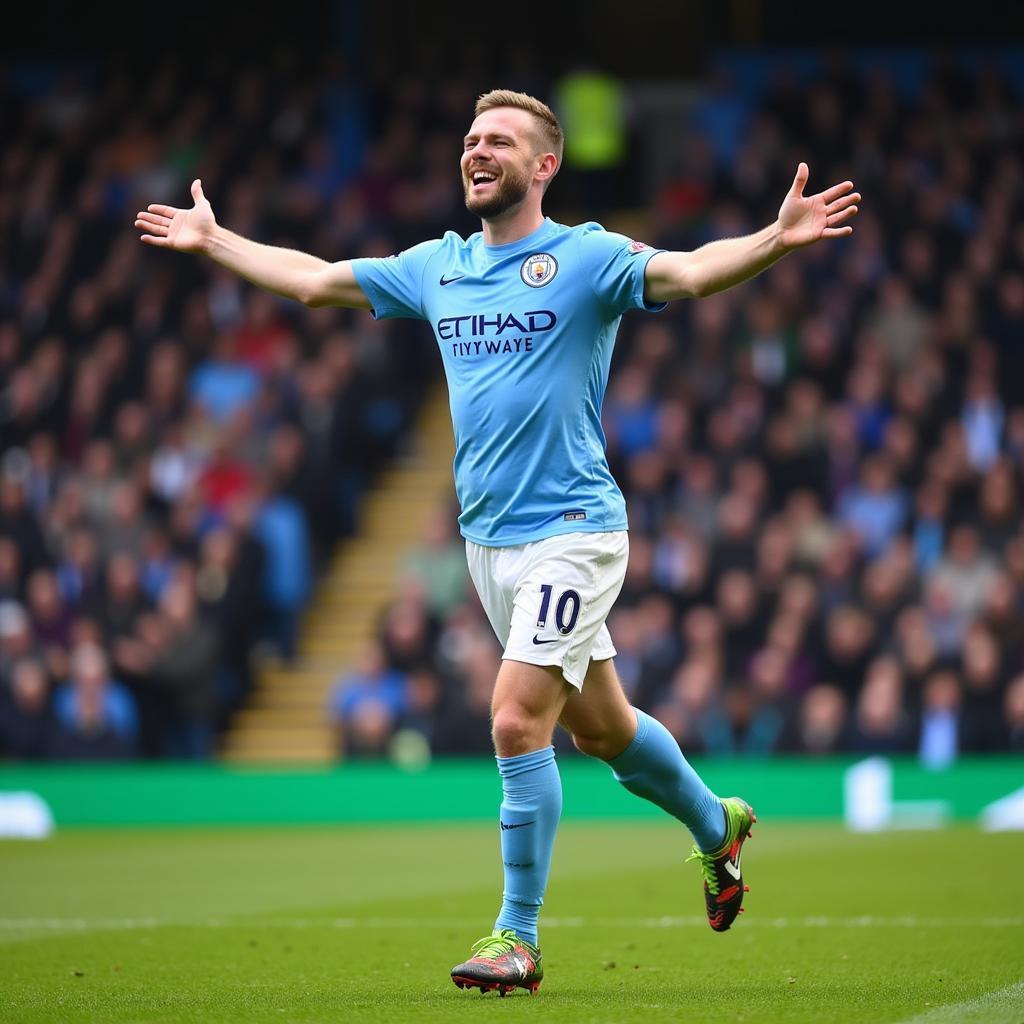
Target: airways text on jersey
{"x":491,"y":334}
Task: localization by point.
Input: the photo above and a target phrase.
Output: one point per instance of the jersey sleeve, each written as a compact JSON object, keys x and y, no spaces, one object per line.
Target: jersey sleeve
{"x":394,"y":284}
{"x":615,"y":266}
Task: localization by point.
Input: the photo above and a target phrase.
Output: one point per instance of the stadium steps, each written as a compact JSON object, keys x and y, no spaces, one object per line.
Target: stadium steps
{"x":285,"y":720}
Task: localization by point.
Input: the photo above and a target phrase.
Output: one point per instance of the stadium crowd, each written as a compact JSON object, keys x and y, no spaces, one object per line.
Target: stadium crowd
{"x":824,"y":469}
{"x":177,"y":451}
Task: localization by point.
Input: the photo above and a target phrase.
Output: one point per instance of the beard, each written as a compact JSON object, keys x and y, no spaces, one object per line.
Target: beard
{"x":511,"y":190}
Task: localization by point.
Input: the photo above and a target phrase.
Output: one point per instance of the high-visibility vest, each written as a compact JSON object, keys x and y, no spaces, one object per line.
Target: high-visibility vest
{"x":590,"y":105}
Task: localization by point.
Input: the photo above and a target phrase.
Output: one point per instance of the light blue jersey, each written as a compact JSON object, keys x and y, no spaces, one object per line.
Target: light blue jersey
{"x":525,"y":332}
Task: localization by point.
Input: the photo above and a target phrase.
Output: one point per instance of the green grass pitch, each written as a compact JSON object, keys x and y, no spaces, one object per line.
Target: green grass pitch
{"x":363,"y":924}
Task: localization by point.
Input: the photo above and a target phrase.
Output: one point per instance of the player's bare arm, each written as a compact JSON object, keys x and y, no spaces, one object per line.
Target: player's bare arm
{"x":295,"y":275}
{"x":716,"y":266}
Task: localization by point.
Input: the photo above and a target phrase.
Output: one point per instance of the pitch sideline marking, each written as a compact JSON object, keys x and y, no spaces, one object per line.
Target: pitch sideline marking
{"x":83,"y":924}
{"x":978,"y":1009}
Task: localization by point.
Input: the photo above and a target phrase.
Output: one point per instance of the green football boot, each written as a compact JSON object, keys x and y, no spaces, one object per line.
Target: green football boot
{"x":723,"y":880}
{"x":501,"y":961}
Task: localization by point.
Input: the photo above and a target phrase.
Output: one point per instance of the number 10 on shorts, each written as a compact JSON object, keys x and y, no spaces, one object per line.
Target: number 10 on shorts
{"x":567,"y":609}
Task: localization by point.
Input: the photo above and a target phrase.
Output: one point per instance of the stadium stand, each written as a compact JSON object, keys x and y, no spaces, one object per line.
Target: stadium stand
{"x":824,"y":469}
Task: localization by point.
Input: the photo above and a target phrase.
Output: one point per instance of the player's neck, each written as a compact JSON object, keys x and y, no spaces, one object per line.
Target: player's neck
{"x":512,"y":225}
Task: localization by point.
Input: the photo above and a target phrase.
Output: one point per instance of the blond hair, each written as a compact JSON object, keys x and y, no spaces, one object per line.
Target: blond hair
{"x":550,"y":130}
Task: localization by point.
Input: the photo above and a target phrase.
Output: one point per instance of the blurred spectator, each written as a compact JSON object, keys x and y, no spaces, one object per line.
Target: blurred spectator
{"x":157,"y":564}
{"x":79,"y":570}
{"x":899,"y":323}
{"x":820,"y":725}
{"x":123,"y":599}
{"x":759,"y":712}
{"x":26,"y":717}
{"x":874,"y":508}
{"x":695,"y":710}
{"x":939,"y":742}
{"x":438,"y":565}
{"x":18,"y":522}
{"x":408,"y":632}
{"x":698,"y":504}
{"x":880,"y":722}
{"x":283,"y":531}
{"x":463,"y":723}
{"x":679,"y":559}
{"x":1004,"y":617}
{"x":228,"y":586}
{"x":736,"y":545}
{"x":183,"y":670}
{"x":965,"y":572}
{"x":424,"y":696}
{"x":367,"y":704}
{"x":95,"y":715}
{"x":221,"y":384}
{"x":982,"y":419}
{"x":10,"y":570}
{"x":984,"y":677}
{"x":51,"y":618}
{"x":915,"y":646}
{"x":849,"y":635}
{"x":742,"y":623}
{"x":1014,"y":712}
{"x":929,"y":531}
{"x":999,"y":509}
{"x":16,"y":640}
{"x":630,"y":413}
{"x":866,"y":402}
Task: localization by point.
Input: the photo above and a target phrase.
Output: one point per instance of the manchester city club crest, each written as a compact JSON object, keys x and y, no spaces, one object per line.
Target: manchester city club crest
{"x":537,"y":270}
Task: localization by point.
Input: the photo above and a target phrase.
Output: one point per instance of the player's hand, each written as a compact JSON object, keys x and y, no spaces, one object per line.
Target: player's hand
{"x":184,"y":230}
{"x":806,"y":219}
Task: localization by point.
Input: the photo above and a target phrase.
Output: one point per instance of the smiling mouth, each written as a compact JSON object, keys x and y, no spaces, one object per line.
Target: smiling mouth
{"x":480,"y":179}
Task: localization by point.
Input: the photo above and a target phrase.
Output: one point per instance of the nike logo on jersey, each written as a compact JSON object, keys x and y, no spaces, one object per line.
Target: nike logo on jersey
{"x":733,"y":867}
{"x":522,"y":824}
{"x":450,"y":280}
{"x":536,"y":641}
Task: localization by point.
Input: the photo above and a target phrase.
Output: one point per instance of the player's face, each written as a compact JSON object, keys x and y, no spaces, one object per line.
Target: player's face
{"x":498,"y":161}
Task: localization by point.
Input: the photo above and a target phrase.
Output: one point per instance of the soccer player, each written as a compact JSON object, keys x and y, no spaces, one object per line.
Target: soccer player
{"x":525,"y":314}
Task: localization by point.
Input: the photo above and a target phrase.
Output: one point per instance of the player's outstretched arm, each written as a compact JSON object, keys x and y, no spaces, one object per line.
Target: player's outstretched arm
{"x":716,"y":266}
{"x":295,"y":275}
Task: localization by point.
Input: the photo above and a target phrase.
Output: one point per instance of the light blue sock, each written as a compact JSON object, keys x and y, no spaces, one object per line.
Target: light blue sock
{"x":653,"y":767}
{"x":530,"y":811}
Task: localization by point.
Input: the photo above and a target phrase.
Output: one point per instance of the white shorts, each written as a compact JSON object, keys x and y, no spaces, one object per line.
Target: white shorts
{"x":547,"y":601}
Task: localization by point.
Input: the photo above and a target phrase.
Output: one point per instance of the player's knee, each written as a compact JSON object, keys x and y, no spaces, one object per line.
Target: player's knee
{"x":515,"y":731}
{"x":603,"y":747}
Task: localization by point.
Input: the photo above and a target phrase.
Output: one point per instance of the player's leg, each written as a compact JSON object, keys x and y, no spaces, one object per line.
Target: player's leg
{"x":527,"y":702}
{"x":642,"y":754}
{"x":564,"y":588}
{"x":645,"y":758}
{"x":525,"y":708}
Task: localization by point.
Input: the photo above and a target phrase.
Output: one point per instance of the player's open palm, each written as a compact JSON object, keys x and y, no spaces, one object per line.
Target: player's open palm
{"x":184,"y":230}
{"x":806,"y":219}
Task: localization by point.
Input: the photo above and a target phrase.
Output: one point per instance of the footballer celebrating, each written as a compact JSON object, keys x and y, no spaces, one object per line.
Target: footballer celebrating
{"x":525,"y":314}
